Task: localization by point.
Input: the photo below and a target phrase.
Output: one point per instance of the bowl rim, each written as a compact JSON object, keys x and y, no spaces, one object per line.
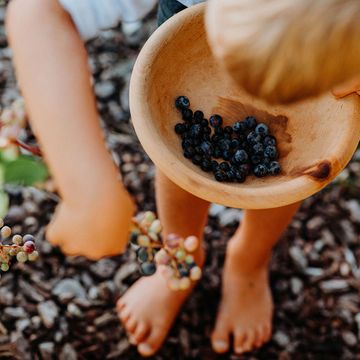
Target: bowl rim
{"x":228,"y":194}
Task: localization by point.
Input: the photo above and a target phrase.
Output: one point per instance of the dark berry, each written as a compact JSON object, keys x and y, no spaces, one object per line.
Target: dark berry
{"x":197,"y":140}
{"x":214,"y":165}
{"x":187,"y":114}
{"x":262,"y":129}
{"x":250,"y":122}
{"x":224,"y":144}
{"x":227,"y":155}
{"x":206,"y":165}
{"x":198,"y":115}
{"x":260,"y":170}
{"x":270,"y":152}
{"x":182,"y":102}
{"x":133,"y":238}
{"x":231,"y":175}
{"x":219,"y":131}
{"x":241,"y":156}
{"x":217,"y":153}
{"x":195,"y":131}
{"x":245,"y":168}
{"x":224,"y":166}
{"x":241,"y":138}
{"x":147,"y":268}
{"x":253,"y":138}
{"x":258,"y":149}
{"x":188,"y":154}
{"x":215,"y":120}
{"x":186,"y":143}
{"x":215,"y":138}
{"x":220,"y":176}
{"x":266,"y":161}
{"x":255,"y":159}
{"x":142,"y":254}
{"x":180,"y":128}
{"x":240,"y":126}
{"x":246,"y":146}
{"x":274,"y":168}
{"x":183,"y":272}
{"x":204,"y":123}
{"x":269,"y":141}
{"x":228,"y":130}
{"x":207,"y":130}
{"x":240,"y":176}
{"x":234,"y":144}
{"x":206,"y":148}
{"x":197,"y":159}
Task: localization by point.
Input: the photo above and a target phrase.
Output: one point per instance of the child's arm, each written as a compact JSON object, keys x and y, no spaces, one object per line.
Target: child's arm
{"x":51,"y":64}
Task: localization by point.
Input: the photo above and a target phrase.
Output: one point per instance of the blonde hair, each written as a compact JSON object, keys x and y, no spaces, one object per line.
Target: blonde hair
{"x":285,"y":50}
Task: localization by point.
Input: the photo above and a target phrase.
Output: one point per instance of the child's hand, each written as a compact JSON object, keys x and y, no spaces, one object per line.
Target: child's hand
{"x":347,"y":88}
{"x":95,"y":228}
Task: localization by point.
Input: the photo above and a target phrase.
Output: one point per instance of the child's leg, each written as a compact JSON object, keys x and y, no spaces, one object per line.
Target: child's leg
{"x":245,"y":311}
{"x":149,"y":308}
{"x":52,"y":68}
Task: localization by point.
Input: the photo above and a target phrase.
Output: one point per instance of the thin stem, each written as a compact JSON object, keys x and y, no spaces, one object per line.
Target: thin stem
{"x":33,"y":149}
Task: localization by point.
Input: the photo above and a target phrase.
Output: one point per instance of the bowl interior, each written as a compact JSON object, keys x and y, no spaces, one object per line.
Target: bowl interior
{"x":316,"y":138}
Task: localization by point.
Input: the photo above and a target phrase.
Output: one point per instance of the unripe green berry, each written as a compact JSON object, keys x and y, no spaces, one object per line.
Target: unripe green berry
{"x":33,"y":256}
{"x":17,"y":239}
{"x":4,"y":267}
{"x":143,"y":241}
{"x":149,"y":216}
{"x":155,"y":227}
{"x":21,"y":257}
{"x":5,"y":232}
{"x":13,"y":252}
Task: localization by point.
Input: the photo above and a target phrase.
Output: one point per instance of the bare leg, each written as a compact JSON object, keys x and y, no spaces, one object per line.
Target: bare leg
{"x":51,"y":65}
{"x":148,"y":325}
{"x":246,"y":307}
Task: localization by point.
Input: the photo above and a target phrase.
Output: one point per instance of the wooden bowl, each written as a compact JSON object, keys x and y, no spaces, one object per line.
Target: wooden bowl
{"x":316,"y":137}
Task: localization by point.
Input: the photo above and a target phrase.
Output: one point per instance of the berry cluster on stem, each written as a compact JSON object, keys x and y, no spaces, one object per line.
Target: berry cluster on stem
{"x":22,"y":248}
{"x":173,"y":253}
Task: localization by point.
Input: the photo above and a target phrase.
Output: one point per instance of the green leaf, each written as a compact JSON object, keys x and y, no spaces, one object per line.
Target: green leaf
{"x":25,"y":170}
{"x":11,"y":153}
{"x":4,"y":204}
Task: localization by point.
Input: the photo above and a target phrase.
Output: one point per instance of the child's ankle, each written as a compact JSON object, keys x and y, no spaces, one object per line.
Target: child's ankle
{"x":244,"y":260}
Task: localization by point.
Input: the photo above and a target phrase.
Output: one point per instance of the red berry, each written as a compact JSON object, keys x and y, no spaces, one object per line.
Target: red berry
{"x":29,"y":246}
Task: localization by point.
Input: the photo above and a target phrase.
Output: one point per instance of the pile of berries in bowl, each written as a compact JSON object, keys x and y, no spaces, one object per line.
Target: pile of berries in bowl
{"x":231,"y":153}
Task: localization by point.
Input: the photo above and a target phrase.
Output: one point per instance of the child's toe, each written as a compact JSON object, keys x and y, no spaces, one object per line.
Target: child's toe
{"x":220,"y":340}
{"x":152,"y":343}
{"x":130,"y":324}
{"x":120,"y":304}
{"x":239,"y":340}
{"x":250,"y":340}
{"x":124,"y":314}
{"x":259,"y":336}
{"x":140,"y":332}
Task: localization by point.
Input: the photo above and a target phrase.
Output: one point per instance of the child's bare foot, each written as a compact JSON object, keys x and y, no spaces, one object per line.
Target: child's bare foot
{"x":245,"y":312}
{"x":149,"y":308}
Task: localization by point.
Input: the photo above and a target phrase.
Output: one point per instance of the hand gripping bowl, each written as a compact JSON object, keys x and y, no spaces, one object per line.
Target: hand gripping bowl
{"x":316,"y":137}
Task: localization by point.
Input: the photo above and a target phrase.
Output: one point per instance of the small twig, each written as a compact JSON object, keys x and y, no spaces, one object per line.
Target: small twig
{"x":33,"y":149}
